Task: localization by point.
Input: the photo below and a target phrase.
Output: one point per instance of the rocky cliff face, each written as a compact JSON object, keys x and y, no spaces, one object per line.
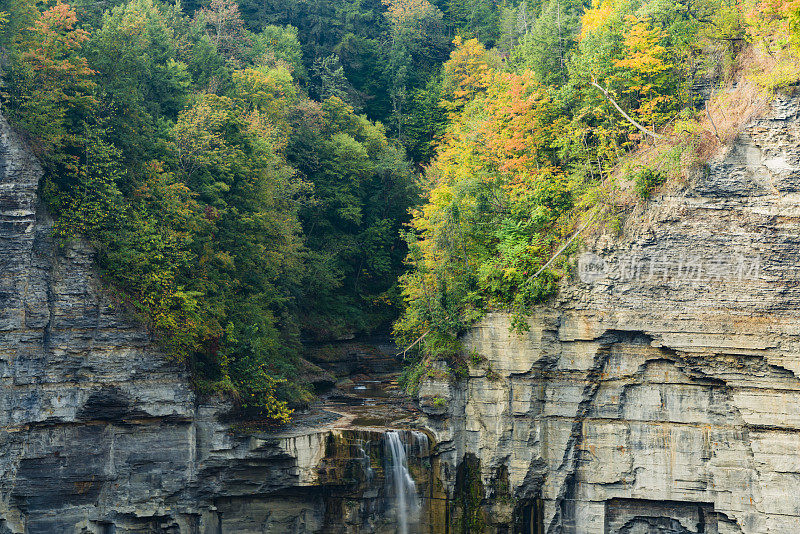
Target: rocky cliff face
{"x":660,"y":392}
{"x":100,"y":433}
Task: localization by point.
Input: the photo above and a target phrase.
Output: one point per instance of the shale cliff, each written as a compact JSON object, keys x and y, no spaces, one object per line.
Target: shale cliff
{"x":101,"y":433}
{"x":660,"y":391}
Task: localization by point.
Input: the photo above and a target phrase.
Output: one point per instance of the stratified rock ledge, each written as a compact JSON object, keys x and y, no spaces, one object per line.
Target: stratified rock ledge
{"x":660,"y":392}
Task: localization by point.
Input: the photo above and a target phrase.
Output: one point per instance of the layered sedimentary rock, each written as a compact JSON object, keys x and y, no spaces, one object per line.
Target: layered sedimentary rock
{"x":660,"y":391}
{"x":101,"y":433}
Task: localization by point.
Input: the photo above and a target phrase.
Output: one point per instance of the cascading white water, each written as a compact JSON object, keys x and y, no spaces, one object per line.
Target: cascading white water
{"x":400,"y":485}
{"x":421,"y":442}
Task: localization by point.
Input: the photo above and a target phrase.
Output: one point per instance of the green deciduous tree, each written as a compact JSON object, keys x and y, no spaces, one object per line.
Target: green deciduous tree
{"x":362,"y":189}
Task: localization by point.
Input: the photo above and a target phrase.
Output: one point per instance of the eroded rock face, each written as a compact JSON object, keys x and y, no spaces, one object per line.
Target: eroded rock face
{"x":100,"y":433}
{"x":91,"y":417}
{"x":660,"y":392}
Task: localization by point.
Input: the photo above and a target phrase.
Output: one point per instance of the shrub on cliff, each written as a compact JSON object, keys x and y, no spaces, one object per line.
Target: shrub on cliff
{"x":646,"y":180}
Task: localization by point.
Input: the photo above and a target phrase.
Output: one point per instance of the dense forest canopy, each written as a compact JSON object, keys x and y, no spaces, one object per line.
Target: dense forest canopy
{"x":255,"y":173}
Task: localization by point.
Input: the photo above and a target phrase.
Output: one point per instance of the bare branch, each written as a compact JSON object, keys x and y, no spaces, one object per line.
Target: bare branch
{"x":628,"y":117}
{"x":420,"y":338}
{"x":562,"y":249}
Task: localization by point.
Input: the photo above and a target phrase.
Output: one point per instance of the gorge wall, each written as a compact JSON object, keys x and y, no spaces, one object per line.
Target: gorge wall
{"x":660,"y":391}
{"x":101,"y":433}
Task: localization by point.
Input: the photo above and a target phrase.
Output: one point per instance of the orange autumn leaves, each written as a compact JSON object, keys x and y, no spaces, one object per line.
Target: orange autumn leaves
{"x":57,"y":75}
{"x":495,"y":193}
{"x":505,"y":127}
{"x":56,"y":38}
{"x":520,"y":123}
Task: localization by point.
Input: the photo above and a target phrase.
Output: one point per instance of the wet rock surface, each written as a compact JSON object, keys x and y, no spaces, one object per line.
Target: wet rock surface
{"x":660,"y":392}
{"x":366,"y":355}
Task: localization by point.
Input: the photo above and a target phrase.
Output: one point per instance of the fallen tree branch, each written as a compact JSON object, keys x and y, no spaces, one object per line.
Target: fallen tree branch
{"x":628,"y":117}
{"x":571,"y":239}
{"x":414,"y":343}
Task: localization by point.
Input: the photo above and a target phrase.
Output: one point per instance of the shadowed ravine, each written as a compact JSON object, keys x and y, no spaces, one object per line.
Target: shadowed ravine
{"x":631,"y":404}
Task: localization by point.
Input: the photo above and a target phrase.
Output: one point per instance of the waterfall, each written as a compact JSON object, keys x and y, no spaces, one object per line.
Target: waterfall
{"x":400,"y":486}
{"x":421,"y":442}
